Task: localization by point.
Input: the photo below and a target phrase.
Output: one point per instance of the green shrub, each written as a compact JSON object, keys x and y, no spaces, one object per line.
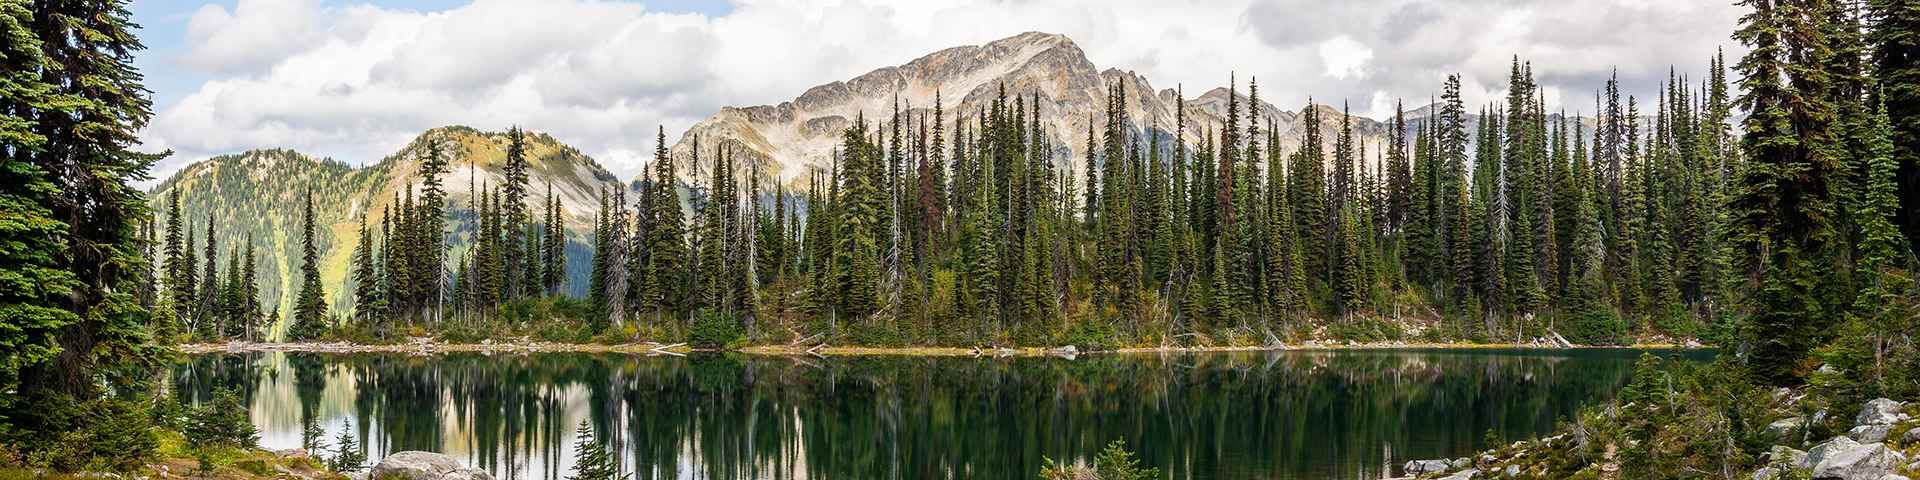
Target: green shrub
{"x":713,"y":330}
{"x":1089,"y":334}
{"x":560,"y":333}
{"x":254,"y":466}
{"x":347,"y":457}
{"x":1113,"y":463}
{"x":99,"y":435}
{"x":461,"y":334}
{"x":222,"y":423}
{"x":1599,"y":327}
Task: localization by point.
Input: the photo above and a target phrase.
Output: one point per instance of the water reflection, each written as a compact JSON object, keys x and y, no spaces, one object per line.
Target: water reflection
{"x":1238,"y":415}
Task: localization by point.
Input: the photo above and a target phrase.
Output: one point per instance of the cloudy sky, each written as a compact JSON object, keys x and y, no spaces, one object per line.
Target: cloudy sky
{"x":355,"y":81}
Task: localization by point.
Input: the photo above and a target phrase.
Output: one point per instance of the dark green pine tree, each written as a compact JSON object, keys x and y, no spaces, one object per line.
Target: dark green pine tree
{"x":206,"y":313}
{"x":1780,"y":208}
{"x":250,"y":293}
{"x":591,"y":459}
{"x":73,"y":106}
{"x":426,"y":242}
{"x":513,"y":245}
{"x":1307,"y":189}
{"x":597,"y":281}
{"x":1399,"y":194}
{"x":553,"y":245}
{"x":1896,"y":61}
{"x":176,"y":252}
{"x":666,"y":236}
{"x":310,"y":307}
{"x":1352,"y":279}
{"x":857,"y":254}
{"x":1422,"y":245}
{"x":397,"y":271}
{"x":189,"y":293}
{"x":366,"y":278}
{"x":232,"y":320}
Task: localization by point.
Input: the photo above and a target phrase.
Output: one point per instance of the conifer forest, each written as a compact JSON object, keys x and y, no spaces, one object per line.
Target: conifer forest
{"x":1767,"y":205}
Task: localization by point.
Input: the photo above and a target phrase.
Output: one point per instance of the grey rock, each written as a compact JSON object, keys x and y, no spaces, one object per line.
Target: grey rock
{"x":1819,"y":417}
{"x":425,"y":466}
{"x":1844,"y":459}
{"x":1513,"y":470}
{"x":1767,"y":473}
{"x":289,"y":453}
{"x":1424,"y":467}
{"x":1826,"y":450}
{"x":1786,"y":456}
{"x":1785,"y":427}
{"x":1893,"y":477}
{"x":1487,"y":459}
{"x":357,"y":476}
{"x":1879,"y":411}
{"x":1068,"y":349}
{"x":1462,"y":463}
{"x":1467,"y":474}
{"x":1912,"y":436}
{"x":1869,"y":433}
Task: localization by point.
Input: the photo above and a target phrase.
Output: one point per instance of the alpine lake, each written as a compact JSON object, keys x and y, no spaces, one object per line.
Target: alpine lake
{"x":1282,"y":414}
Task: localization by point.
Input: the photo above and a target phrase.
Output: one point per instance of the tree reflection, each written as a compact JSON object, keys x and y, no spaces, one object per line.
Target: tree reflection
{"x":1298,"y":414}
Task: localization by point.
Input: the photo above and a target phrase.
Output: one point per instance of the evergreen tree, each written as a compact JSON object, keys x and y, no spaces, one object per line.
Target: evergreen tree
{"x":553,"y":245}
{"x":858,"y":251}
{"x":310,"y":308}
{"x":591,"y":460}
{"x":1780,"y":211}
{"x":513,"y":217}
{"x":366,"y":278}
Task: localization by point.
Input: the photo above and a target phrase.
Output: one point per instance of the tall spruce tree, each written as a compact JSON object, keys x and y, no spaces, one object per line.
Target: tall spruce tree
{"x":310,"y":307}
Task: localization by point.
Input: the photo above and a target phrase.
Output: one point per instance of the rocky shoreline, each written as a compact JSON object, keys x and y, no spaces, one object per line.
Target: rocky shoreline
{"x":1884,"y":444}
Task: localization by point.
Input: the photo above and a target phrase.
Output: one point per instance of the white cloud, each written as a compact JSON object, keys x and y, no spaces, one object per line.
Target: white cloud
{"x":357,"y":82}
{"x":256,"y":34}
{"x":1345,"y":57}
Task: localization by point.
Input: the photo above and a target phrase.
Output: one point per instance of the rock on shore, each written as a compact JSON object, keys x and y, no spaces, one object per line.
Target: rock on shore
{"x":425,"y":466}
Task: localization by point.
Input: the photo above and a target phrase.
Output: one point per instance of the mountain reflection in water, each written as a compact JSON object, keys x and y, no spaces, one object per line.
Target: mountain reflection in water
{"x":1345,"y":414}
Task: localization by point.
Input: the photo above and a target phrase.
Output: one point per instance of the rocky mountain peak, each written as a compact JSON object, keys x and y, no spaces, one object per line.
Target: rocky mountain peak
{"x":782,"y":142}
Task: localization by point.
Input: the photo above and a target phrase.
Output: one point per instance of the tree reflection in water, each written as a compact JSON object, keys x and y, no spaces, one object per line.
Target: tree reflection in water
{"x":1231,"y":415}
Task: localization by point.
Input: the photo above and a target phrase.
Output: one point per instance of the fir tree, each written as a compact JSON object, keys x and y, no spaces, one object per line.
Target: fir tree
{"x":591,"y":460}
{"x":310,"y":308}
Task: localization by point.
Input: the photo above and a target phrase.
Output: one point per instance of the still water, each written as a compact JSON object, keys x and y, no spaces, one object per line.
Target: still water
{"x":1345,"y":414}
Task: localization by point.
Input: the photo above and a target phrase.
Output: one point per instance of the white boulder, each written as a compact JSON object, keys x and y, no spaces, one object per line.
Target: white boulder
{"x":425,"y":466}
{"x":1879,"y":411}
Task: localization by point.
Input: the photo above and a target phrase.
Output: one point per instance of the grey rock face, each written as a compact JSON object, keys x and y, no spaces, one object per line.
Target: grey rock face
{"x":1879,"y":411}
{"x":425,"y":466}
{"x":1844,"y":459}
{"x":1869,"y":433}
{"x":1894,"y":477}
{"x":1424,"y":467}
{"x":1911,"y":437}
{"x":789,"y":137}
{"x":1467,"y":474}
{"x":1513,"y":470}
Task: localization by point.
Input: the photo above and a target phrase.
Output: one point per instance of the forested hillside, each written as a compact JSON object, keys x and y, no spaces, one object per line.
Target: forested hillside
{"x":257,"y":195}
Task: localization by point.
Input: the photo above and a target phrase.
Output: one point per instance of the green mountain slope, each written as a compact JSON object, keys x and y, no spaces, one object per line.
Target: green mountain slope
{"x":258,"y":194}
